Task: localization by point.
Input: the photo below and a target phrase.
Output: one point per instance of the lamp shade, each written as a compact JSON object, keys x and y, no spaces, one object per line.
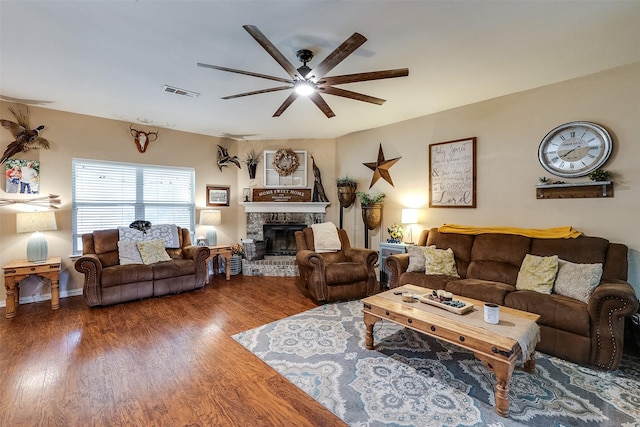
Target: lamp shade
{"x":37,"y":247}
{"x":210,"y":217}
{"x":409,"y":216}
{"x":35,"y":221}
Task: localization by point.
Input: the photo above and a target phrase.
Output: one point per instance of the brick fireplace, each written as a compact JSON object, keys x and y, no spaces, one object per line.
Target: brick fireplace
{"x":276,"y":222}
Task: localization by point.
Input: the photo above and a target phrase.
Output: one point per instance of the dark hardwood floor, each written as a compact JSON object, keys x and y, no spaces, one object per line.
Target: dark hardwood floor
{"x":167,"y":361}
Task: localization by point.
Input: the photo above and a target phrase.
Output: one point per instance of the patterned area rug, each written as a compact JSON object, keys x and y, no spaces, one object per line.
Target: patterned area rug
{"x":411,"y":379}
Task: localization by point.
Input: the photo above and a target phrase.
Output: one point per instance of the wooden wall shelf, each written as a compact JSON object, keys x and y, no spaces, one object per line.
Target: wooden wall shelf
{"x":580,"y":190}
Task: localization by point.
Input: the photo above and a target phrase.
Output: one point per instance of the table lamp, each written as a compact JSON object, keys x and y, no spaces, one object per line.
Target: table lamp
{"x":211,"y":218}
{"x":409,"y":217}
{"x":37,"y":248}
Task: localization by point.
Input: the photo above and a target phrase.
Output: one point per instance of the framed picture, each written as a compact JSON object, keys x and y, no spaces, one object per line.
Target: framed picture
{"x":217,"y":195}
{"x":22,"y":176}
{"x":202,"y":242}
{"x":452,"y":174}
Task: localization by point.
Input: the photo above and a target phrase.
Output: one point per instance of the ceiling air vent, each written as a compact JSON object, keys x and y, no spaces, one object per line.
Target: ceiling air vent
{"x":182,"y":92}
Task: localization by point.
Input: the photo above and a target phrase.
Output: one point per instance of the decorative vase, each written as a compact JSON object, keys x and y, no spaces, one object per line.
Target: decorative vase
{"x":252,"y":170}
{"x":235,"y":265}
{"x":346,"y":196}
{"x":372,"y":215}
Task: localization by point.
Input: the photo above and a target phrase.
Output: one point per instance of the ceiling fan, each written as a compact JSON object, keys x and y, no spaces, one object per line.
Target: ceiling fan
{"x":313,"y":82}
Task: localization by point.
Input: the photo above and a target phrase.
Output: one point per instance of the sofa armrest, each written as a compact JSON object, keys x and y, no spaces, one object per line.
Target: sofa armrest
{"x":310,"y":259}
{"x":361,"y":255}
{"x":368,"y":257}
{"x":395,"y":266}
{"x":311,"y":266}
{"x":91,"y":267}
{"x":608,"y":305}
{"x":199,"y":255}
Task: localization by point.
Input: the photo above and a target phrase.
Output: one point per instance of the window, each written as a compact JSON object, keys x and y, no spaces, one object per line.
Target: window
{"x":111,"y":194}
{"x":297,"y":178}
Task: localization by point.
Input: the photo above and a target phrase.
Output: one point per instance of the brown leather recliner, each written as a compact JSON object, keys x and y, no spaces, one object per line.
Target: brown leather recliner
{"x":332,"y":276}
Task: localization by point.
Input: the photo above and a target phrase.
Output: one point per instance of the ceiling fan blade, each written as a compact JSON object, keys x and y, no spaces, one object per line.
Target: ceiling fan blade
{"x":321,"y":104}
{"x":272,"y":50}
{"x":352,"y":95}
{"x":246,"y":73}
{"x":257,"y":92}
{"x":335,"y":57}
{"x":286,"y":103}
{"x":361,"y":77}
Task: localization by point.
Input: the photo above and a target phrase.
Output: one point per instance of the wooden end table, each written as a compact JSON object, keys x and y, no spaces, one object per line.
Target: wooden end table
{"x":18,"y":270}
{"x":497,"y":352}
{"x":225,"y":251}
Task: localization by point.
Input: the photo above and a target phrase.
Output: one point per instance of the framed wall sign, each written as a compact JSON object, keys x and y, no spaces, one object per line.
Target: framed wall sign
{"x":452,"y":174}
{"x":217,"y":195}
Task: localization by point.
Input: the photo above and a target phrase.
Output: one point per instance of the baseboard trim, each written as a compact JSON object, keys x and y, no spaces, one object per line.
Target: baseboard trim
{"x":45,"y":297}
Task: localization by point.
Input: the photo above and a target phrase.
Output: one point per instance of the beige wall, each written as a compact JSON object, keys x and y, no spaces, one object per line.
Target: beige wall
{"x":78,"y":136}
{"x":508,"y":131}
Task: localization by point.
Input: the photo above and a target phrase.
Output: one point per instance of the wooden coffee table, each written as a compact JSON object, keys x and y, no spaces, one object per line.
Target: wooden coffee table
{"x":498,"y":352}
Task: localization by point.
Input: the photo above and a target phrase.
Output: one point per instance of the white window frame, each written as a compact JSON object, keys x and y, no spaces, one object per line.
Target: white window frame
{"x":297,"y":179}
{"x":110,"y":194}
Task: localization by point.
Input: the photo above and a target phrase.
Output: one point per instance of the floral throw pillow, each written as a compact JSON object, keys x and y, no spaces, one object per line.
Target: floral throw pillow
{"x":440,"y":261}
{"x":153,"y":251}
{"x":537,"y":273}
{"x":577,"y":280}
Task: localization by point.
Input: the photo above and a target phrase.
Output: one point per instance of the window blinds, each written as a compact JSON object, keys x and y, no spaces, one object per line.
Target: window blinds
{"x":111,"y":194}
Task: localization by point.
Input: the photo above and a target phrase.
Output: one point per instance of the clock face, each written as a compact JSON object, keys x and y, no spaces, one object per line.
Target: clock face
{"x":575,"y":149}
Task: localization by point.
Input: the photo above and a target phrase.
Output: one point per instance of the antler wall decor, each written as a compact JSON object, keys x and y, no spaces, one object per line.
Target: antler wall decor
{"x":142,"y":138}
{"x":49,"y":201}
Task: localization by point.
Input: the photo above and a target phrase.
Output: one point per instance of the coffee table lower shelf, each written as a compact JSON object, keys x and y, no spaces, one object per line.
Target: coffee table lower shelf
{"x":498,"y":353}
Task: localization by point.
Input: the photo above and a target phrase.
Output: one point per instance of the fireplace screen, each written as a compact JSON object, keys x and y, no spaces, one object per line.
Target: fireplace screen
{"x":281,"y":238}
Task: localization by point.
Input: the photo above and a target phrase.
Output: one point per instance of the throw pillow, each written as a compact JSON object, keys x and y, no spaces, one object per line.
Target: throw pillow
{"x":167,"y":232}
{"x":325,"y":237}
{"x":416,"y":259}
{"x":153,"y":251}
{"x":128,"y":253}
{"x":440,"y":261}
{"x":537,"y":273}
{"x":577,"y":280}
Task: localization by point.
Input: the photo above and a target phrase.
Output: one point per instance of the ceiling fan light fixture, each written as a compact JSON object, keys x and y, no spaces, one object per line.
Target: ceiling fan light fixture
{"x":305,"y":88}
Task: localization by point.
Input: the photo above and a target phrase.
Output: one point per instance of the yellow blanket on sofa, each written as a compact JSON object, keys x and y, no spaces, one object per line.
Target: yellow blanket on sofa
{"x":539,"y":233}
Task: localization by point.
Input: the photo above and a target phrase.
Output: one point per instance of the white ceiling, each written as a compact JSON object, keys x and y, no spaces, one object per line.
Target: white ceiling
{"x":112,"y":58}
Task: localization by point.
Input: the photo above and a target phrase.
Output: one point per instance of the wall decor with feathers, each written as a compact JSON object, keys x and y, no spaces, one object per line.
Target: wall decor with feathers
{"x":26,"y":137}
{"x":224,"y":158}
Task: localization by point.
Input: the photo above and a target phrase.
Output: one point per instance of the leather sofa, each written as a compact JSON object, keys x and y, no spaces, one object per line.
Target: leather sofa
{"x":107,"y":282}
{"x":488,"y":264}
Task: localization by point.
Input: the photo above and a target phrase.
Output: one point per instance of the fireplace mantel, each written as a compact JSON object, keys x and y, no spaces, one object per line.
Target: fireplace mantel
{"x":267,"y":207}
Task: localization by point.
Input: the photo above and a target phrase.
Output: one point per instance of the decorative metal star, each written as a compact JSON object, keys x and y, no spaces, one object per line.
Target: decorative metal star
{"x":381,"y":168}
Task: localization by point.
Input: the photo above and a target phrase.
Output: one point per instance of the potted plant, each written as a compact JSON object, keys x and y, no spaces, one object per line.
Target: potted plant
{"x":251,"y":159}
{"x":346,"y":191}
{"x":371,"y":208}
{"x":600,"y":175}
{"x":235,"y":265}
{"x":396,"y":233}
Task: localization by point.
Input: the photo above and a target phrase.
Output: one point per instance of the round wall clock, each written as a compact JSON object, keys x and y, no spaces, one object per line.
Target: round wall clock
{"x":575,"y":149}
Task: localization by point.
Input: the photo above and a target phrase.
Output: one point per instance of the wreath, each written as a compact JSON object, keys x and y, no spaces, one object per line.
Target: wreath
{"x":285,"y":162}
